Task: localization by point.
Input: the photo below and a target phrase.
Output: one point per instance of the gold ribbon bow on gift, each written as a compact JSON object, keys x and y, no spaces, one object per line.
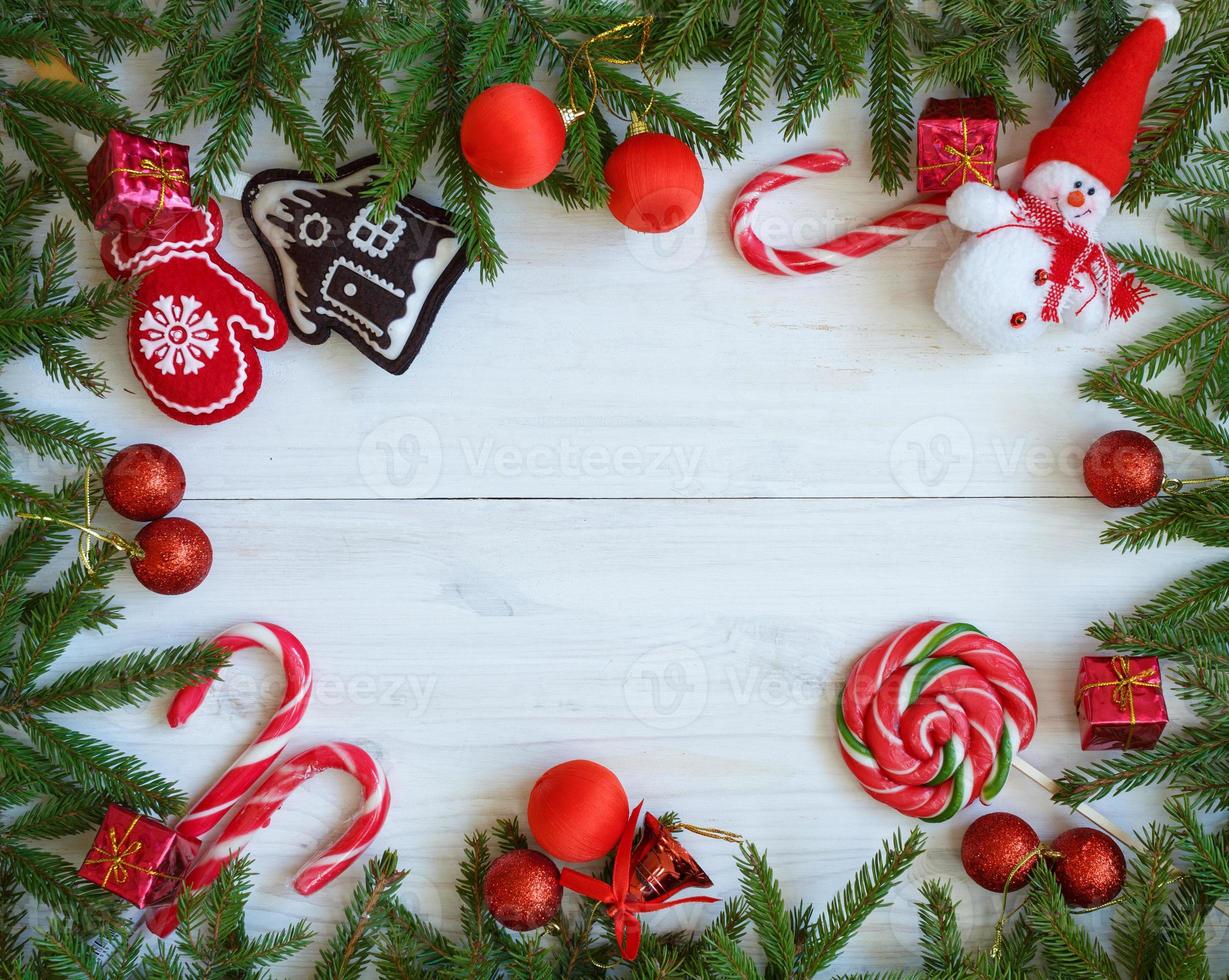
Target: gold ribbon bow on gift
{"x":1124,"y":685}
{"x":121,"y":856}
{"x":166,"y":176}
{"x":966,"y":158}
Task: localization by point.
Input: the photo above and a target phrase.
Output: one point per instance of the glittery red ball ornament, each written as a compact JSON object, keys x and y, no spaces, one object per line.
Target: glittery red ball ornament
{"x":1124,"y":469}
{"x":143,"y":482}
{"x":1092,"y":868}
{"x":655,"y":182}
{"x":177,"y":556}
{"x":577,"y":811}
{"x":512,"y":135}
{"x":998,"y":847}
{"x":522,"y":890}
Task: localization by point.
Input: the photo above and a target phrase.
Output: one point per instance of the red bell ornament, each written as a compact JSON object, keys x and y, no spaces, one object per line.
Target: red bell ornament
{"x":512,"y":135}
{"x":655,"y":180}
{"x":661,"y":866}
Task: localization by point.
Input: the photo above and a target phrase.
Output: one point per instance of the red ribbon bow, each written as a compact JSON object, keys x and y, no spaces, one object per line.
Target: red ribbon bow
{"x":620,"y":907}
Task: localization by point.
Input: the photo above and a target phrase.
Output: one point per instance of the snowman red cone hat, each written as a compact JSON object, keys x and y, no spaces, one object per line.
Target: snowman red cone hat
{"x":1097,"y":128}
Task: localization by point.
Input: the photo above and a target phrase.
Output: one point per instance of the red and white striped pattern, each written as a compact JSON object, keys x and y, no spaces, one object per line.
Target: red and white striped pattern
{"x":256,"y":813}
{"x":832,"y":254}
{"x":931,"y":718}
{"x":256,"y":759}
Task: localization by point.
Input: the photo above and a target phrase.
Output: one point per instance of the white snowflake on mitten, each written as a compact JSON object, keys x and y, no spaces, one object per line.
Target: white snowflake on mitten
{"x":178,"y":334}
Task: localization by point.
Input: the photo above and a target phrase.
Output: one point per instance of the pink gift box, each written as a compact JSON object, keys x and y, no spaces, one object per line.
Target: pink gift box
{"x":956,"y":143}
{"x":1119,"y":702}
{"x":139,"y":185}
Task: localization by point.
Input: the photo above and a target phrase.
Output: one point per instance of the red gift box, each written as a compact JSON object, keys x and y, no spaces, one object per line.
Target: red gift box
{"x":956,"y":143}
{"x":138,"y":859}
{"x":139,"y":184}
{"x":1119,"y":702}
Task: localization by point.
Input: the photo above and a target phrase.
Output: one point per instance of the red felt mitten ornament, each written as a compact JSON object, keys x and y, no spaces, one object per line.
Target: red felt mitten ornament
{"x":198,"y":322}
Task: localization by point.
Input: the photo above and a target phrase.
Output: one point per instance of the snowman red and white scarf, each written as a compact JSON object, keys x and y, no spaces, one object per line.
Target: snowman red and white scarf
{"x":1074,"y":251}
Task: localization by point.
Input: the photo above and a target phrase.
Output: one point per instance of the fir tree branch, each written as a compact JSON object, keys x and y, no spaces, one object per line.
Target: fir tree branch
{"x":1067,"y":948}
{"x":131,"y":679}
{"x":352,"y":946}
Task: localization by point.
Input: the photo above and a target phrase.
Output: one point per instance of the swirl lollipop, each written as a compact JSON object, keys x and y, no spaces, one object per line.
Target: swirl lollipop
{"x":932,"y":718}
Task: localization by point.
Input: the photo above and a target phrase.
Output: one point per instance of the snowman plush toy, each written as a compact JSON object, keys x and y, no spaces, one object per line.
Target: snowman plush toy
{"x":1033,"y":260}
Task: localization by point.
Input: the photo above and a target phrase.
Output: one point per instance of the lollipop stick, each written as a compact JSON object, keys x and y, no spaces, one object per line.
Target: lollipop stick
{"x":1111,"y":828}
{"x":1051,"y":787}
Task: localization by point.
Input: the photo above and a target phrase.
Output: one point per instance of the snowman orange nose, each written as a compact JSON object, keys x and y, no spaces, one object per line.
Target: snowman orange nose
{"x":1075,"y":198}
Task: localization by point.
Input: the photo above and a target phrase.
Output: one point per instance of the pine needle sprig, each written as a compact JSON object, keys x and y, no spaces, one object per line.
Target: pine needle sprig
{"x":866,"y":891}
{"x":942,"y":947}
{"x":353,"y":945}
{"x":1066,"y":947}
{"x":1175,"y":119}
{"x":1140,"y":916}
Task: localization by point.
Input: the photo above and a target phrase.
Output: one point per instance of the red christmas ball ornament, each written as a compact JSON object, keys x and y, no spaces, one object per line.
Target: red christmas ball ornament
{"x":1092,"y":868}
{"x":176,"y":556}
{"x":577,"y":810}
{"x":143,"y":482}
{"x":512,"y":135}
{"x":1124,"y":469}
{"x":522,"y":890}
{"x":999,"y":848}
{"x":655,"y":181}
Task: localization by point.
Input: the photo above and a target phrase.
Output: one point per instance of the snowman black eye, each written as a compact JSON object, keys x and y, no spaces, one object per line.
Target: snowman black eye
{"x":1092,"y":190}
{"x":1079,"y":183}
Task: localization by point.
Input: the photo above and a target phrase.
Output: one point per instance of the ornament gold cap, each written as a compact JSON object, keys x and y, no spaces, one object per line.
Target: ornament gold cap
{"x":637,"y":125}
{"x":570,"y":115}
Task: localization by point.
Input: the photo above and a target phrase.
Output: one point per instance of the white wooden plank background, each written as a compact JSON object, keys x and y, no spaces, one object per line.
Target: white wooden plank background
{"x":639,"y":503}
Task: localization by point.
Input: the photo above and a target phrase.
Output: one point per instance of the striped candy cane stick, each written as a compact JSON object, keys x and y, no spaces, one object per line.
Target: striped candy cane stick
{"x":326,"y":864}
{"x":839,"y":251}
{"x":256,"y":759}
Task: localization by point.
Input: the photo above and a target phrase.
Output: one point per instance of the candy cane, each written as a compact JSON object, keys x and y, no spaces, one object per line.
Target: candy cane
{"x":256,"y":759}
{"x":839,"y":251}
{"x":327,"y":863}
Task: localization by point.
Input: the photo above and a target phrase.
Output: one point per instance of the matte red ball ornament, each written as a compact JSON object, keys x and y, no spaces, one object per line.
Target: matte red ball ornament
{"x":655,"y":182}
{"x":522,"y":890}
{"x":513,"y":135}
{"x":1124,"y":469}
{"x":999,"y":847}
{"x":577,"y":811}
{"x":1092,"y":868}
{"x":177,"y":556}
{"x":143,"y":482}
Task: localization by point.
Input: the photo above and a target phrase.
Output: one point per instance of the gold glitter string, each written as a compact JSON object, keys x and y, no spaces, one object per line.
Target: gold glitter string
{"x":88,"y":531}
{"x":1040,"y":851}
{"x":585,"y":53}
{"x":711,"y":832}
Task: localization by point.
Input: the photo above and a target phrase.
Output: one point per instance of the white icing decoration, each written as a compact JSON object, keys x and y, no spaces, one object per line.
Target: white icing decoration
{"x":176,"y":333}
{"x":378,"y":240}
{"x":326,"y":227}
